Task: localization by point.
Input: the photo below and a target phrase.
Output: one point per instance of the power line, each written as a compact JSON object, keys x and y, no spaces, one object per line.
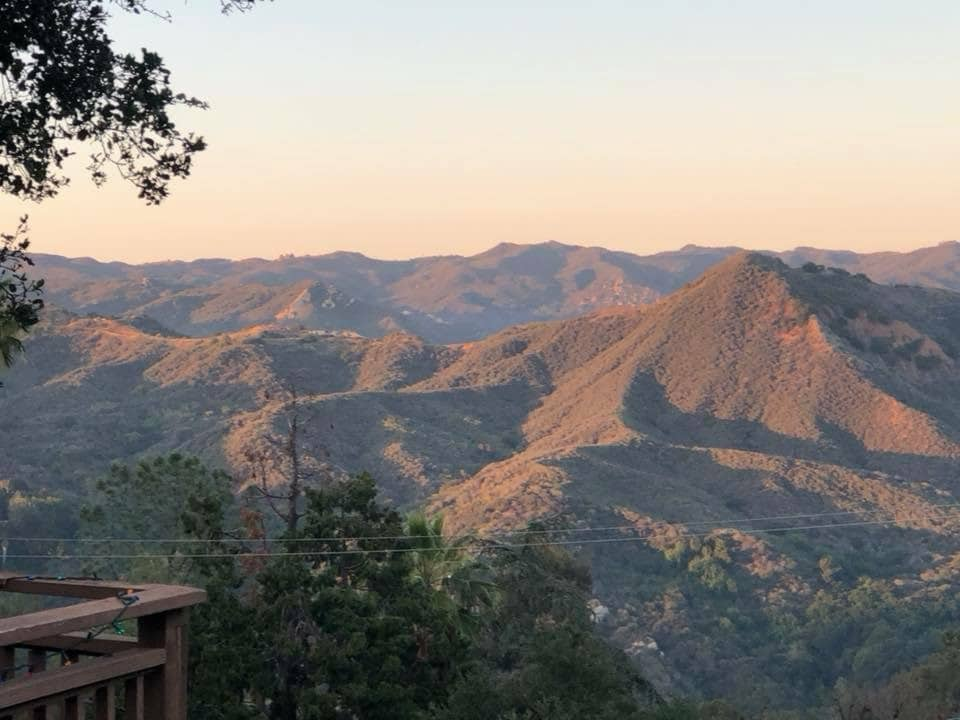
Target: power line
{"x":369,"y":551}
{"x":493,"y":536}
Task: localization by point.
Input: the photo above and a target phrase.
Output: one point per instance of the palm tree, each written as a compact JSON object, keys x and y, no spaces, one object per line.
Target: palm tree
{"x":10,"y":344}
{"x":434,"y":558}
{"x":461,"y":584}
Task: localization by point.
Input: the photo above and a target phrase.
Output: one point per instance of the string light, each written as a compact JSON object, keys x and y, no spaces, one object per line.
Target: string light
{"x":126,"y":600}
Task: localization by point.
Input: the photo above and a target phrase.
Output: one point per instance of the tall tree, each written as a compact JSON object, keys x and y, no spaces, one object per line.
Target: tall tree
{"x":463,"y":583}
{"x":279,"y":471}
{"x":179,"y":499}
{"x":539,"y":656}
{"x":63,"y":85}
{"x":342,"y":622}
{"x":164,"y":507}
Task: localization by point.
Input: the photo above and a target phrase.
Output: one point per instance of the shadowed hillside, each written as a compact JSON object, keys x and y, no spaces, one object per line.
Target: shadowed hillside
{"x":758,"y":357}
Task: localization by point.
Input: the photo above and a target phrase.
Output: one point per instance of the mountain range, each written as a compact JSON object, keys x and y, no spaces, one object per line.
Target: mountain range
{"x":708,"y":387}
{"x":442,"y":299}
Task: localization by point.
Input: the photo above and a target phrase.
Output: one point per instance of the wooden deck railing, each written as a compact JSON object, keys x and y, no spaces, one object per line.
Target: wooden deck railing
{"x":55,"y":664}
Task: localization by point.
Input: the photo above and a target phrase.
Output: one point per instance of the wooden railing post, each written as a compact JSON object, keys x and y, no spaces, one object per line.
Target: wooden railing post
{"x":71,"y":708}
{"x":133,"y":699}
{"x":8,"y":659}
{"x":165,"y":691}
{"x":37,"y":659}
{"x":104,"y":703}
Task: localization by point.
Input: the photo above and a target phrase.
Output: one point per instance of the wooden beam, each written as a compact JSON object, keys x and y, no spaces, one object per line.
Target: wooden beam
{"x":155,"y":599}
{"x":77,"y":643}
{"x":88,"y":589}
{"x":62,"y":681}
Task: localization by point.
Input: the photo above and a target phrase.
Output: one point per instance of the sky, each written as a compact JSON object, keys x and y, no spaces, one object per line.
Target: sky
{"x":399,"y":129}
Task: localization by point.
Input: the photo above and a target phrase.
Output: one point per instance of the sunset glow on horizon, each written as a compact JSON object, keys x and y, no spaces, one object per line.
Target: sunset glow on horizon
{"x":442,"y":128}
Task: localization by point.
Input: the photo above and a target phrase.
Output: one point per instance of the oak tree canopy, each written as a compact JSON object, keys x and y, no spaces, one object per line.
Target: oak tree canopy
{"x":65,"y":89}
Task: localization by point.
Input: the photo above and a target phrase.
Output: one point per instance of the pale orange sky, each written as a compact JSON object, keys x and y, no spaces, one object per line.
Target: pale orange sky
{"x":443,"y":128}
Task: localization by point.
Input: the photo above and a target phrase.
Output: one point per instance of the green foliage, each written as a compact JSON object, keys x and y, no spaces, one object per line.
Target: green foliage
{"x":706,"y":560}
{"x":707,"y":564}
{"x":782,"y":653}
{"x":465,"y":583}
{"x":352,"y":634}
{"x":851,"y":632}
{"x":379,"y":618}
{"x":171,"y":497}
{"x":929,"y":690}
{"x":64,"y":84}
{"x":177,"y":497}
{"x":225,"y":654}
{"x":538,"y":656}
{"x":20,"y":297}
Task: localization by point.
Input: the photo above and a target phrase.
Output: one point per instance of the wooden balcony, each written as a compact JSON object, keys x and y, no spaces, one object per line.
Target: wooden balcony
{"x":69,"y":663}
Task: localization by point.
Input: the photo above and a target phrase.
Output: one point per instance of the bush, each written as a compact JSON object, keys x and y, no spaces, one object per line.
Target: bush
{"x":812,"y":267}
{"x":839,"y":327}
{"x":926,"y":362}
{"x":908,"y":350}
{"x":878,"y":316}
{"x":947,"y":347}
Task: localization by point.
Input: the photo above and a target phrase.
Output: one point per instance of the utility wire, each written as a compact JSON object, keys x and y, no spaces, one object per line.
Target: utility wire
{"x":479,"y":542}
{"x":492,"y":536}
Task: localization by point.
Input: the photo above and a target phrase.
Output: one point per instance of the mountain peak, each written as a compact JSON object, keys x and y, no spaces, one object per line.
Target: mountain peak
{"x":741,"y":267}
{"x":752,"y":258}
